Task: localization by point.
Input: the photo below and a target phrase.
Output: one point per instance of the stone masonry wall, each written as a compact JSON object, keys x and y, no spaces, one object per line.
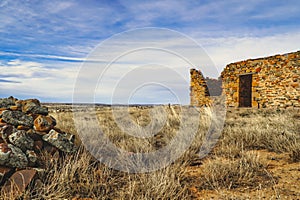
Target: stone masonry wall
{"x":275,"y":81}
{"x":199,"y":94}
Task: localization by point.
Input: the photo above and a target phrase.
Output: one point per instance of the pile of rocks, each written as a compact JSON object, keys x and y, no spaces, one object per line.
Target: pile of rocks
{"x":26,"y":132}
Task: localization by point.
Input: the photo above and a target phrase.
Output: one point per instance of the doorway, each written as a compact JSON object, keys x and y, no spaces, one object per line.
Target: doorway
{"x":245,"y":91}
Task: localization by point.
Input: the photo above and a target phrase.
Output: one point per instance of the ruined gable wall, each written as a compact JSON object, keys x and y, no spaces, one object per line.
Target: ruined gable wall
{"x":275,"y":81}
{"x":199,"y":94}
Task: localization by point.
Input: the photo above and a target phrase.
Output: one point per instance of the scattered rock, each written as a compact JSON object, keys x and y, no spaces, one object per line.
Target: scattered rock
{"x":32,"y":157}
{"x":26,"y":132}
{"x":4,"y":173}
{"x":21,"y":140}
{"x":21,"y":127}
{"x":16,"y":158}
{"x":17,"y":118}
{"x":5,"y":152}
{"x":35,"y":135}
{"x":44,"y":123}
{"x":33,"y":106}
{"x":2,"y":124}
{"x":18,"y":182}
{"x":5,"y":132}
{"x":13,"y":108}
{"x":7,"y":102}
{"x":63,"y":141}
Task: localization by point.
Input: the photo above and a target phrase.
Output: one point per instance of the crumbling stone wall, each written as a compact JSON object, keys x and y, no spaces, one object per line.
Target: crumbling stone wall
{"x":27,"y":133}
{"x":275,"y":81}
{"x":199,"y":93}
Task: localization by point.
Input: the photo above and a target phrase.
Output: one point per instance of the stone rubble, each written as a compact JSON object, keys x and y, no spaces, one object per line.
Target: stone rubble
{"x":27,"y":132}
{"x":18,"y":182}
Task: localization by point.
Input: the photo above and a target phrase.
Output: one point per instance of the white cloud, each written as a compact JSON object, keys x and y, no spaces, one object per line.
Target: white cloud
{"x":227,"y":50}
{"x":51,"y":32}
{"x":35,"y":79}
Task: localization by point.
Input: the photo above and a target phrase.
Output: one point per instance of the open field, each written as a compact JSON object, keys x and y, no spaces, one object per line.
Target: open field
{"x":256,"y":157}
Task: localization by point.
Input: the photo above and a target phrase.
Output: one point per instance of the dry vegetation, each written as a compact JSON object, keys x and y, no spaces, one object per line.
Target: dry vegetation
{"x":257,"y":156}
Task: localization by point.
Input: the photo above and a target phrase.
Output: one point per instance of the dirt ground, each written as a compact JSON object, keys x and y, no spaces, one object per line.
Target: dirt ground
{"x":285,"y":176}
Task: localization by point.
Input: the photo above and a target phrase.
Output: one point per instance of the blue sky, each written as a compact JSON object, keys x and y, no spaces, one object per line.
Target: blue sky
{"x":43,"y":43}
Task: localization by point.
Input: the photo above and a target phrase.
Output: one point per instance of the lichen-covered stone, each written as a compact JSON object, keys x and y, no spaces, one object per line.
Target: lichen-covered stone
{"x":6,"y":131}
{"x":44,"y":123}
{"x":26,"y":131}
{"x":33,"y":106}
{"x":34,"y":134}
{"x":12,"y":156}
{"x":5,"y":152}
{"x":14,"y":108}
{"x":21,"y":140}
{"x":7,"y":102}
{"x":32,"y":157}
{"x":63,"y":141}
{"x":17,"y":118}
{"x":2,"y":124}
{"x":21,"y":127}
{"x":16,"y":158}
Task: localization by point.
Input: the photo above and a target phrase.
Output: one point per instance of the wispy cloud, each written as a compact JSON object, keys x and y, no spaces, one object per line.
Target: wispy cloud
{"x":43,"y":43}
{"x":41,"y":56}
{"x":8,"y":81}
{"x":36,"y":79}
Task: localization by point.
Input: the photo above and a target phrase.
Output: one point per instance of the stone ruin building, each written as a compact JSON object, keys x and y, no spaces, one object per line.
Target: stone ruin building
{"x":199,"y":93}
{"x":269,"y":82}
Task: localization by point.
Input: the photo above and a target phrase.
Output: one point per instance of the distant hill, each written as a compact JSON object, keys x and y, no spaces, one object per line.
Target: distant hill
{"x":214,"y":86}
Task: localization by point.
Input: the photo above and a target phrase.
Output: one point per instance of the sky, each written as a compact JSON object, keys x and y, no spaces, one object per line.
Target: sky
{"x":59,"y":50}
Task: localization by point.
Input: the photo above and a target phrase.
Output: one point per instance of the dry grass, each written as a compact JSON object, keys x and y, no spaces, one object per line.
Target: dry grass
{"x":245,"y":171}
{"x":232,"y":163}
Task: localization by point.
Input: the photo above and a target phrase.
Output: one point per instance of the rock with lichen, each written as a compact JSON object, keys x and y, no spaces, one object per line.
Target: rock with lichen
{"x":26,"y":133}
{"x":44,"y":123}
{"x":33,"y":106}
{"x":62,"y":141}
{"x":17,"y":118}
{"x":21,"y":139}
{"x":7,"y":102}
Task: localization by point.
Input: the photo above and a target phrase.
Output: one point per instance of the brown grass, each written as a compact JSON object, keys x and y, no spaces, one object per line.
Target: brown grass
{"x":233,"y":163}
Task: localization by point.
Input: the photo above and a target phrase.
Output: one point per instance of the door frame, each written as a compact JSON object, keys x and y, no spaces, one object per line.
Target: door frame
{"x":240,"y":104}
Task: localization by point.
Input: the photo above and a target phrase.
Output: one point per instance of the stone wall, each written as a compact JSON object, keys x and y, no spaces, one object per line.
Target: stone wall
{"x":27,"y":134}
{"x":275,"y":81}
{"x":199,"y":93}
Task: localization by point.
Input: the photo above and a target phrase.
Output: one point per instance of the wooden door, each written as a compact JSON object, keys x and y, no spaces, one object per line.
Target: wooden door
{"x":245,"y":91}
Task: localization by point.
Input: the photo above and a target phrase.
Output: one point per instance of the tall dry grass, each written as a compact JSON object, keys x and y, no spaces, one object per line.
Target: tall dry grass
{"x":231,"y":164}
